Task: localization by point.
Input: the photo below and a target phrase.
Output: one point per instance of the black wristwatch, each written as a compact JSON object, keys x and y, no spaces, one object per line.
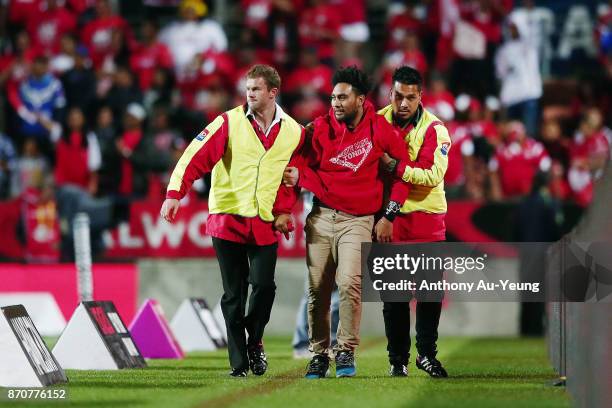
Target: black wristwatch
{"x":393,"y":208}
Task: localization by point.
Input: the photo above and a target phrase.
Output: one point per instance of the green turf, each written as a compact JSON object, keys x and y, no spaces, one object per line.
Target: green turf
{"x":483,"y":373}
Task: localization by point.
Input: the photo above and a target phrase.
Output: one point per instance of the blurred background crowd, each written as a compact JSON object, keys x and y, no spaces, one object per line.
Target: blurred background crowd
{"x":99,"y":97}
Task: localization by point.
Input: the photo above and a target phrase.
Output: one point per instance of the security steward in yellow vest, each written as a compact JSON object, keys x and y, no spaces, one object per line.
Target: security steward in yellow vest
{"x":246,"y":149}
{"x":419,"y":219}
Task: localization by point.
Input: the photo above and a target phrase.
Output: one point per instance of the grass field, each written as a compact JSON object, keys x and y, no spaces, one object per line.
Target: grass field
{"x":484,"y":372}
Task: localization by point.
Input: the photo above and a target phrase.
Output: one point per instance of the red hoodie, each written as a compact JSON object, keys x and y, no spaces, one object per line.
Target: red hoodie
{"x":345,"y":162}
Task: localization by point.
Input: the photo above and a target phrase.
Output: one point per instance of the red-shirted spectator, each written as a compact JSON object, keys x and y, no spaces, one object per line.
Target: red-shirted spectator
{"x":486,"y":16}
{"x":555,"y":143}
{"x":319,"y":28}
{"x":479,"y":126}
{"x":460,"y":155}
{"x":40,"y":223}
{"x":352,"y":12}
{"x":21,"y":11}
{"x":100,"y":35}
{"x":409,"y":54}
{"x":15,"y":67}
{"x":308,"y":107}
{"x":490,"y":118}
{"x":461,"y":175}
{"x":439,"y":101}
{"x":558,"y":185}
{"x":354,"y":30}
{"x":80,"y":6}
{"x":77,"y":154}
{"x":516,"y":162}
{"x":310,"y":77}
{"x":211,"y":71}
{"x":401,"y":24}
{"x":215,"y":69}
{"x":48,"y":25}
{"x":472,"y":136}
{"x":246,"y":56}
{"x":589,"y":153}
{"x":590,"y":141}
{"x":126,"y":144}
{"x":257,"y":13}
{"x":580,"y":181}
{"x":149,"y":55}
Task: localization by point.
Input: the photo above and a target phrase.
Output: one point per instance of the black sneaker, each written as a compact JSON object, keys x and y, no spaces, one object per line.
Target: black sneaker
{"x":431,"y":366}
{"x":345,"y":364}
{"x":318,"y":367}
{"x":257,"y":359}
{"x":238,"y":372}
{"x":398,"y":369}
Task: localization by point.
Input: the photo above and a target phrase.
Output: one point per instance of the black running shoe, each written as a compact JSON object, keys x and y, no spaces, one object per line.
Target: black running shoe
{"x":318,"y":367}
{"x":238,"y":372}
{"x":345,"y":364}
{"x":431,"y":366}
{"x":398,"y":369}
{"x":257,"y":359}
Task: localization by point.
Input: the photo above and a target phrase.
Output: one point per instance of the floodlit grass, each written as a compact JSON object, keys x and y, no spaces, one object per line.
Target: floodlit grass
{"x":484,"y":372}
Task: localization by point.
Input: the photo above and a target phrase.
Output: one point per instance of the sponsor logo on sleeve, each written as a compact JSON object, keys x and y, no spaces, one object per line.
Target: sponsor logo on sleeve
{"x":202,"y":135}
{"x":444,"y":148}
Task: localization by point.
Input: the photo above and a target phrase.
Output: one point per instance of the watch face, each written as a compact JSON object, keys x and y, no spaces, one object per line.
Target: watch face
{"x":393,"y":207}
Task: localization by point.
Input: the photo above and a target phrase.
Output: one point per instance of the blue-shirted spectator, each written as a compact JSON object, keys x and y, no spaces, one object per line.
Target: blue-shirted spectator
{"x":42,"y":103}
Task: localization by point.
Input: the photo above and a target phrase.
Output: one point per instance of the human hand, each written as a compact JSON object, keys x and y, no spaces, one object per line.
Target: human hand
{"x":284,"y":224}
{"x":169,"y":209}
{"x":291,"y":176}
{"x":383,"y":230}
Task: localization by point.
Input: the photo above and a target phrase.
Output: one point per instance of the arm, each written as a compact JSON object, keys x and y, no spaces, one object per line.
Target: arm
{"x":308,"y":162}
{"x":392,"y":144}
{"x":395,"y":146}
{"x":287,"y":196}
{"x":432,"y":160}
{"x":199,"y":158}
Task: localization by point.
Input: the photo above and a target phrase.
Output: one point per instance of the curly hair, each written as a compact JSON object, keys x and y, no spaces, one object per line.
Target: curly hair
{"x":408,"y":76}
{"x":353,"y":76}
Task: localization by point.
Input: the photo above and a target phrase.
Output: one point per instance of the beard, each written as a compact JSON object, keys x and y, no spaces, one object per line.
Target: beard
{"x":348,"y":117}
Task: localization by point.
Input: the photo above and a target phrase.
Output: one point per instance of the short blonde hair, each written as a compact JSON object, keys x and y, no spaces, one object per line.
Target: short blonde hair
{"x":268,"y":73}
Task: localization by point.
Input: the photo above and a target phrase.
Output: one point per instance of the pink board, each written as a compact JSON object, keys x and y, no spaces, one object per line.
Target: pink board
{"x":151,"y":333}
{"x":115,"y":282}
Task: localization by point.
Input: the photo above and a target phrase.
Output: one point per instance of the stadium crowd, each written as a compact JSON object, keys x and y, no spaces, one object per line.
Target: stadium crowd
{"x":103,"y":108}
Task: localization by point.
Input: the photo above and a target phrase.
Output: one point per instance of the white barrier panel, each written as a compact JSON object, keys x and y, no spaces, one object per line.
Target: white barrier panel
{"x":41,"y":307}
{"x":25,"y":360}
{"x":195,"y":328}
{"x":97,"y":339}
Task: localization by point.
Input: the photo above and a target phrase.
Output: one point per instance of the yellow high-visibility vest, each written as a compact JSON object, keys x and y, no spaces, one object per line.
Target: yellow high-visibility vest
{"x":427,"y":190}
{"x":246,"y":179}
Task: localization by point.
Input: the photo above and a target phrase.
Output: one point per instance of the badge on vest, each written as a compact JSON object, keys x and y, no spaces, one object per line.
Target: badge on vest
{"x":444,"y":148}
{"x":202,"y":135}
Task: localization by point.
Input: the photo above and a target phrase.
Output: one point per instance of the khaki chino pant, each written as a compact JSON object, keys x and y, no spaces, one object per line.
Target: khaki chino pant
{"x":333,"y":241}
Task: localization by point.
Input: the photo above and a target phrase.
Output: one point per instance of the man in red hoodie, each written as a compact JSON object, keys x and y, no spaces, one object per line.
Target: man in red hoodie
{"x":343,"y":157}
